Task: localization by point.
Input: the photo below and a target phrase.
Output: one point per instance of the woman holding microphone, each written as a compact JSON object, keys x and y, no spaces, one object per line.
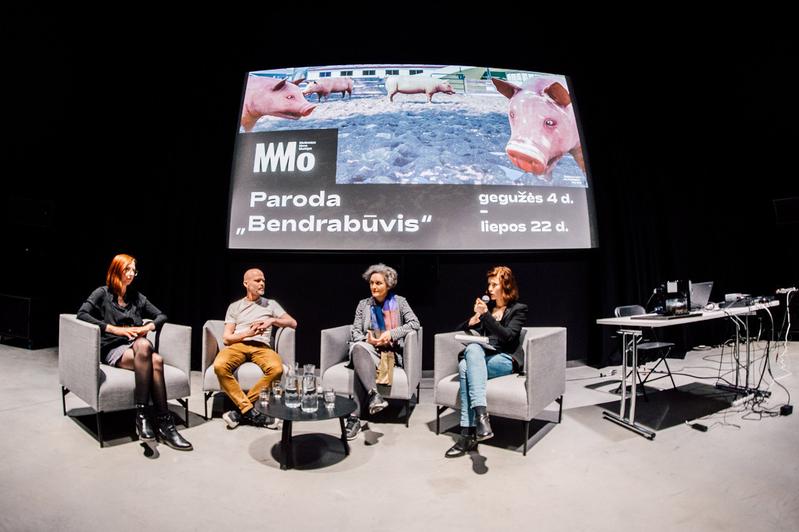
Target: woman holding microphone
{"x":500,"y":319}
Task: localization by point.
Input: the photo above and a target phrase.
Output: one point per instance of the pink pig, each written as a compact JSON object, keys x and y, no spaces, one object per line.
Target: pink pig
{"x":324,"y":86}
{"x":416,"y":85}
{"x":273,"y":97}
{"x":542,"y":123}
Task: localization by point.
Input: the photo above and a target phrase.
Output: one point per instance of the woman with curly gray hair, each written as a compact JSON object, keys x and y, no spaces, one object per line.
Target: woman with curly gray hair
{"x":378,"y":332}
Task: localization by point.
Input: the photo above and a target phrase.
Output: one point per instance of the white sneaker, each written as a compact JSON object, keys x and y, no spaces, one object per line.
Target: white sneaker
{"x":232,"y":418}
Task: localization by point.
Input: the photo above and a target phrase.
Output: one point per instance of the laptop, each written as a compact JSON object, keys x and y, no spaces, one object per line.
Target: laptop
{"x":700,"y":294}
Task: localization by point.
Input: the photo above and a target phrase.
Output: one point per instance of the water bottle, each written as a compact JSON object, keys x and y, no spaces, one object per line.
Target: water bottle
{"x":291,"y":395}
{"x":309,"y":400}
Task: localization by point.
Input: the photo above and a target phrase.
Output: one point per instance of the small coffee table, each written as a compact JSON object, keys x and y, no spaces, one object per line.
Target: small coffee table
{"x":343,"y":407}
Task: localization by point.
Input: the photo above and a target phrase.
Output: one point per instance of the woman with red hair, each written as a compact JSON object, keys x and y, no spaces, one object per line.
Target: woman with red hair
{"x":500,"y":320}
{"x":119,"y":311}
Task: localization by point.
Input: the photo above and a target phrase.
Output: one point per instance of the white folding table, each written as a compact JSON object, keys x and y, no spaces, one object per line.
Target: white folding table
{"x":630,"y":331}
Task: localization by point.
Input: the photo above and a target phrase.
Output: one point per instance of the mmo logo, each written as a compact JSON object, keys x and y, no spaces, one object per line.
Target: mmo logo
{"x":268,"y":157}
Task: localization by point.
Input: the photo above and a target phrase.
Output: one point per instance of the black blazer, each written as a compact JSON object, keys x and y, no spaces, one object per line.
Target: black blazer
{"x":101,"y":309}
{"x":505,"y":334}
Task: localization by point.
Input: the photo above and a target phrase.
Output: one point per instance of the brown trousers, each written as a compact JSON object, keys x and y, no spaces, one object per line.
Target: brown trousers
{"x":230,"y":358}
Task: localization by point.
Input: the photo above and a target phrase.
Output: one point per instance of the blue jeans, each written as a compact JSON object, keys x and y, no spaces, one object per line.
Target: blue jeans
{"x":474,"y":371}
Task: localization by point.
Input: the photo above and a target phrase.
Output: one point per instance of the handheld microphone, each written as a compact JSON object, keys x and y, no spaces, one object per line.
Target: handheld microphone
{"x":485,"y":299}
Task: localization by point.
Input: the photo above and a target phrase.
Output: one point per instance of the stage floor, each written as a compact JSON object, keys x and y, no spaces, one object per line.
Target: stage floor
{"x":584,"y":474}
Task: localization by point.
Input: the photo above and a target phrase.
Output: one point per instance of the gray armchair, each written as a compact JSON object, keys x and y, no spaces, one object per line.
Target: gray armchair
{"x":334,"y":357}
{"x":248,"y":373}
{"x":106,"y":388}
{"x":517,"y":396}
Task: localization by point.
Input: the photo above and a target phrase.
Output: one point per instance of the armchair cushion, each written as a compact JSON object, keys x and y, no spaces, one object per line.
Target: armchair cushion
{"x":340,"y":377}
{"x":505,"y":396}
{"x":116,"y":392}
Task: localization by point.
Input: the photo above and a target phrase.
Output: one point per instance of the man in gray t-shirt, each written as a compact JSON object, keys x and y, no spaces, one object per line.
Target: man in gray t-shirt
{"x":243,"y":312}
{"x":248,"y":337}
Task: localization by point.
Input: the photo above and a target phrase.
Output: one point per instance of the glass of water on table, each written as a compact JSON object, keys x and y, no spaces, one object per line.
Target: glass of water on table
{"x":263,"y":400}
{"x":277,"y":389}
{"x":329,"y":395}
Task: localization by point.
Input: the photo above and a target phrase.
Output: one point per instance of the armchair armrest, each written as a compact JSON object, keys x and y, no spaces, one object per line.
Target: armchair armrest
{"x":79,"y":357}
{"x":445,"y":356}
{"x":212,"y":342}
{"x":174,"y":345}
{"x":413,"y":359}
{"x":545,"y":366}
{"x":285,"y":342}
{"x":334,"y":347}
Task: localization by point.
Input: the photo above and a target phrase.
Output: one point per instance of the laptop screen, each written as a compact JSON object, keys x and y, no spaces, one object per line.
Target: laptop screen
{"x":700,"y":294}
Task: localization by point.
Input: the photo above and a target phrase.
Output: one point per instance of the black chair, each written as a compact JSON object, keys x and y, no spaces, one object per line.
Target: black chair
{"x":648,"y":350}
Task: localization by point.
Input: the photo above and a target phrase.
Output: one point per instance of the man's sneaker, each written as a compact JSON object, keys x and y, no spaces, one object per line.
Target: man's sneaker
{"x":353,"y":427}
{"x":257,"y":419}
{"x":232,"y":418}
{"x":376,"y":402}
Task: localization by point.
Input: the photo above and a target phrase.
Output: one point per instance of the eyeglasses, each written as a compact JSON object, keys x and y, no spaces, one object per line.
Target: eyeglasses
{"x":135,"y":272}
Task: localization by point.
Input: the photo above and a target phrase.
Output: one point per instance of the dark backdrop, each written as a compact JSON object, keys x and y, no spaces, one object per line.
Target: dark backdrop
{"x":119,"y":139}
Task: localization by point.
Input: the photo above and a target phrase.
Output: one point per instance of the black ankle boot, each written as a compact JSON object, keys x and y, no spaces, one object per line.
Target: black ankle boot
{"x":144,"y":426}
{"x":465,"y":443}
{"x":483,"y":429}
{"x":168,"y":434}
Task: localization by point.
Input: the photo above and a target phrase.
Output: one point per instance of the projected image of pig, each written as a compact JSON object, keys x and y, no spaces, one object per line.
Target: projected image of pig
{"x":416,"y":85}
{"x":324,"y":86}
{"x":273,"y":97}
{"x":543,"y":126}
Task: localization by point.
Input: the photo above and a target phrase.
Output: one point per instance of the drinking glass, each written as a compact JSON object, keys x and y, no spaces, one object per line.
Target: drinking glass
{"x":310,"y":401}
{"x":277,"y":390}
{"x":330,"y":398}
{"x":292,"y":396}
{"x":263,"y":399}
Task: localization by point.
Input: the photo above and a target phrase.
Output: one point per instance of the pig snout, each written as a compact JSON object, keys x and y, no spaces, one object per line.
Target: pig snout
{"x":294,"y":110}
{"x":527,"y":157}
{"x":308,"y":109}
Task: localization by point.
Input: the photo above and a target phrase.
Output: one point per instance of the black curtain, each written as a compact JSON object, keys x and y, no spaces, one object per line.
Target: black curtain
{"x":123,"y":135}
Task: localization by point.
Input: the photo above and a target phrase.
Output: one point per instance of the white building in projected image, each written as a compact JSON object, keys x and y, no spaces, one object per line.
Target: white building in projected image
{"x":450,"y":72}
{"x":369,"y":79}
{"x":354,"y":71}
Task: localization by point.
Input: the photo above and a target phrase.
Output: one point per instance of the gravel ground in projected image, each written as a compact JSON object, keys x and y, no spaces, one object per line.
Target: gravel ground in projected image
{"x":456,"y":139}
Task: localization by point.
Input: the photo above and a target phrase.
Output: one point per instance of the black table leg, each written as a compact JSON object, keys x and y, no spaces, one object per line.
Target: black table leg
{"x":286,"y":450}
{"x":344,"y":437}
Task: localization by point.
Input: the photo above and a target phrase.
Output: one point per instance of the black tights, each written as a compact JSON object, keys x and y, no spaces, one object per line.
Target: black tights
{"x":149,"y":381}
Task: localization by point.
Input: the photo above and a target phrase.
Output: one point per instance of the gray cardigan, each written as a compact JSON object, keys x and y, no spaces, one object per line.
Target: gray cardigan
{"x":363,"y":320}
